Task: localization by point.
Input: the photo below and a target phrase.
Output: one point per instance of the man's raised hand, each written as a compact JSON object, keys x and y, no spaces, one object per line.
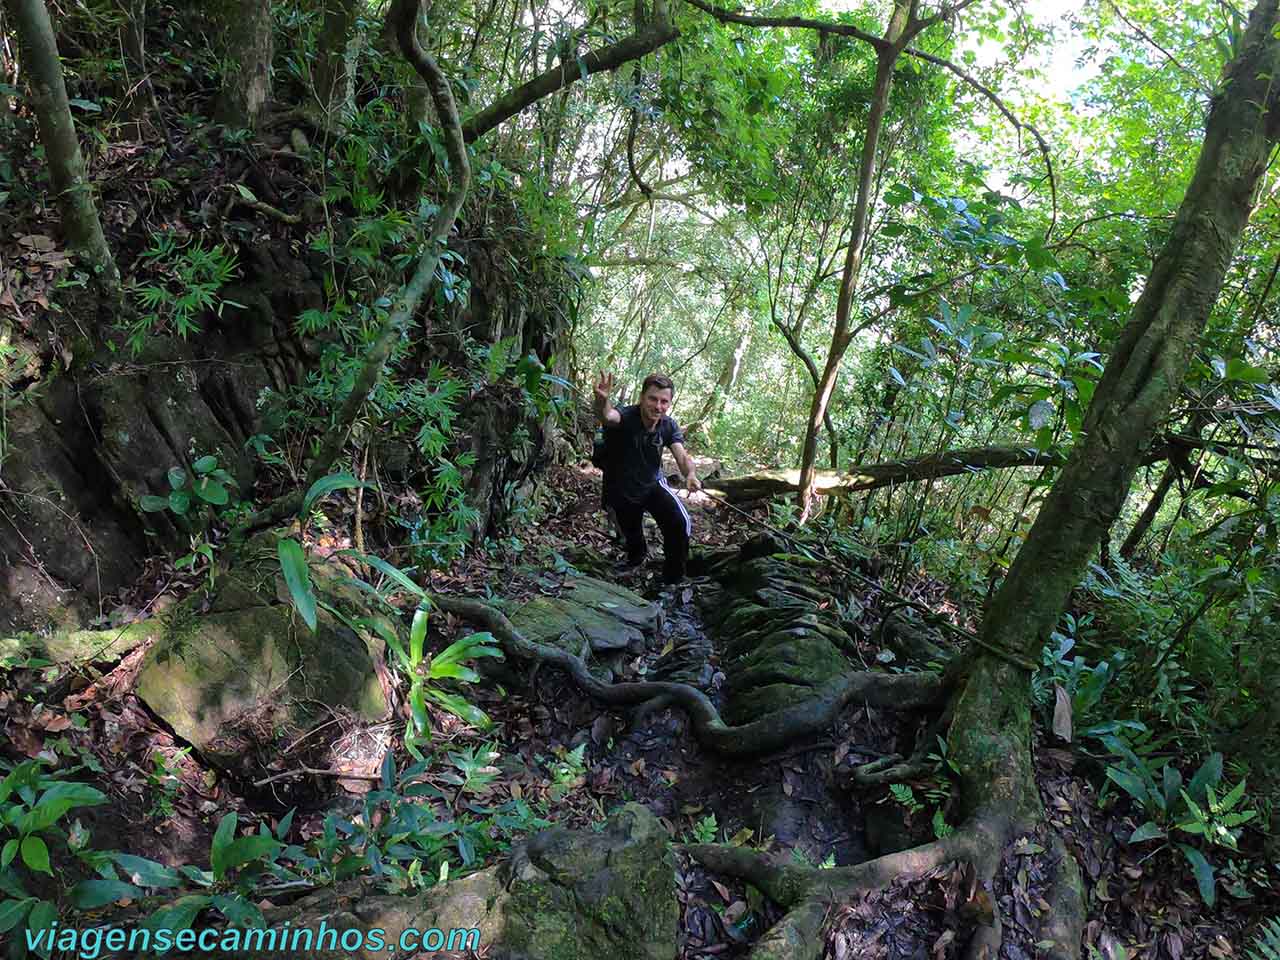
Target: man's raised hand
{"x":605,"y":386}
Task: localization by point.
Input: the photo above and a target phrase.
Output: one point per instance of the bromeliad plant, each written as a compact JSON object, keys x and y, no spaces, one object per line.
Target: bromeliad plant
{"x":424,"y":672}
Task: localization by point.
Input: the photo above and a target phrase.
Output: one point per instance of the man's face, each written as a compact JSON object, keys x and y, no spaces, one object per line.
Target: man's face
{"x":654,"y":404}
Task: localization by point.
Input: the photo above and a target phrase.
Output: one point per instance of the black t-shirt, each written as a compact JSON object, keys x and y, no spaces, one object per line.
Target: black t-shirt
{"x":634,"y":454}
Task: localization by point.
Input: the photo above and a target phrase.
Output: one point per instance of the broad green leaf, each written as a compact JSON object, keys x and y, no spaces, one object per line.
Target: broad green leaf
{"x":147,"y":873}
{"x":1172,"y":785}
{"x":56,"y":801}
{"x":417,"y":636}
{"x":177,"y":478}
{"x":151,"y":504}
{"x":282,"y":828}
{"x":179,"y":502}
{"x":453,"y":671}
{"x":211,"y":491}
{"x":460,"y":708}
{"x":239,"y":911}
{"x":35,"y":854}
{"x":10,"y":851}
{"x":41,"y":918}
{"x":293,"y":564}
{"x":1131,"y":785}
{"x":1148,"y":831}
{"x":326,"y":485}
{"x":1203,"y":873}
{"x":205,"y":464}
{"x":247,"y":849}
{"x":92,"y":894}
{"x":465,"y":648}
{"x":13,"y":912}
{"x":222,"y":839}
{"x":1209,"y":774}
{"x":180,"y":914}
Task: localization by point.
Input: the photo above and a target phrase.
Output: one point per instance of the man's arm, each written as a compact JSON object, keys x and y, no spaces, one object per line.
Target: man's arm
{"x":604,"y":408}
{"x":685,"y":463}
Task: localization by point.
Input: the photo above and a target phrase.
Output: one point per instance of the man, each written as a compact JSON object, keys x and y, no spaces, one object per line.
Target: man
{"x":634,"y":485}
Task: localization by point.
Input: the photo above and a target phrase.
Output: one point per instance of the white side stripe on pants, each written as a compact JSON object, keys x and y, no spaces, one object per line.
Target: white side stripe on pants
{"x":688,"y":523}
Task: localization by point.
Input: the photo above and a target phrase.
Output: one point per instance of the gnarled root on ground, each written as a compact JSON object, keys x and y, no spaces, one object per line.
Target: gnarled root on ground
{"x":772,"y":732}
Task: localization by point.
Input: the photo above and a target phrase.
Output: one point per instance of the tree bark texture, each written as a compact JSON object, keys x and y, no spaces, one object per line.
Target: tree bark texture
{"x":247,"y":50}
{"x":67,"y":170}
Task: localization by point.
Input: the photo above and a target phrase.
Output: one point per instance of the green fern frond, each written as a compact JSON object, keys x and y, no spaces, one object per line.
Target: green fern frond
{"x":1266,"y":945}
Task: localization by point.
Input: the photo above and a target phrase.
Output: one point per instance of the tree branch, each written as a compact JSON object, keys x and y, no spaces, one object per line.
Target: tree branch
{"x":1019,"y":125}
{"x":803,"y":23}
{"x":644,"y":41}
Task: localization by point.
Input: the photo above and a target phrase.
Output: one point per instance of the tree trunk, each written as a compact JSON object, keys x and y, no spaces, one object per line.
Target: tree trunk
{"x":903,"y":26}
{"x":139,"y":101}
{"x":720,"y":392}
{"x":67,"y":170}
{"x":1149,"y":514}
{"x":247,"y":48}
{"x":334,"y":81}
{"x":991,"y":727}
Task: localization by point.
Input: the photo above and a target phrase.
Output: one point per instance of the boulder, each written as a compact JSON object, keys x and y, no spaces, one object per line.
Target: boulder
{"x":600,"y":619}
{"x":238,"y":673}
{"x":562,"y":895}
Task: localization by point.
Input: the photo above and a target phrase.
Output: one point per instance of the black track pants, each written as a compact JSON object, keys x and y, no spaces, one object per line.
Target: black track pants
{"x":673,"y":520}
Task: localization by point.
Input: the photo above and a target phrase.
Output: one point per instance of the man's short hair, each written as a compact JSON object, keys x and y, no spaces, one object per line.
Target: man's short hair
{"x":659,"y":381}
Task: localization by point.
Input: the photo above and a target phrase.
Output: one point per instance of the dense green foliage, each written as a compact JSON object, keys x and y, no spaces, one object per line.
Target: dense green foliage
{"x":688,"y":213}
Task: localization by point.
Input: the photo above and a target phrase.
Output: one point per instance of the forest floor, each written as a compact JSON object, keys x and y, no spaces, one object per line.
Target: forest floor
{"x":565,"y":755}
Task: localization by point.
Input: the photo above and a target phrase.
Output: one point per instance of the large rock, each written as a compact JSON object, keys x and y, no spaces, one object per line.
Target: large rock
{"x":780,"y":639}
{"x":563,"y":895}
{"x":238,"y":677}
{"x":593,"y":617}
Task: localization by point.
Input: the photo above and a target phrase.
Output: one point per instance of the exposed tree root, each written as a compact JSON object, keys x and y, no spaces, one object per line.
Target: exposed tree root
{"x":809,"y":895}
{"x":1063,"y":925}
{"x":772,"y":732}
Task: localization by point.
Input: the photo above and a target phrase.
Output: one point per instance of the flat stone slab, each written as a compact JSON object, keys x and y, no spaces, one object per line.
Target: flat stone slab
{"x":601,"y":616}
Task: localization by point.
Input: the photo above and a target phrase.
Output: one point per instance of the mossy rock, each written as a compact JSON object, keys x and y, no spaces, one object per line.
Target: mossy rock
{"x":562,"y":895}
{"x":804,"y":660}
{"x":600,"y":615}
{"x":759,"y":701}
{"x":81,"y":646}
{"x":236,"y":679}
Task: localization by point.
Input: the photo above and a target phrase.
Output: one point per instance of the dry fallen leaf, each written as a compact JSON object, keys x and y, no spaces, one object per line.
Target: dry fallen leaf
{"x":1061,"y":713}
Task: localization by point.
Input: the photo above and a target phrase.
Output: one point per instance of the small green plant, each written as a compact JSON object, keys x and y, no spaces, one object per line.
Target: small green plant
{"x":33,"y":810}
{"x":186,"y":283}
{"x":1194,"y":809}
{"x":568,"y":770}
{"x":704,"y":830}
{"x":164,"y":782}
{"x":206,"y":483}
{"x":905,"y":797}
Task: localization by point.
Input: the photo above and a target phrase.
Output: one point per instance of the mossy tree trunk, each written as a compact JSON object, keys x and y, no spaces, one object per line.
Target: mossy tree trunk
{"x":67,"y":170}
{"x":246,"y":55}
{"x":335,"y":71}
